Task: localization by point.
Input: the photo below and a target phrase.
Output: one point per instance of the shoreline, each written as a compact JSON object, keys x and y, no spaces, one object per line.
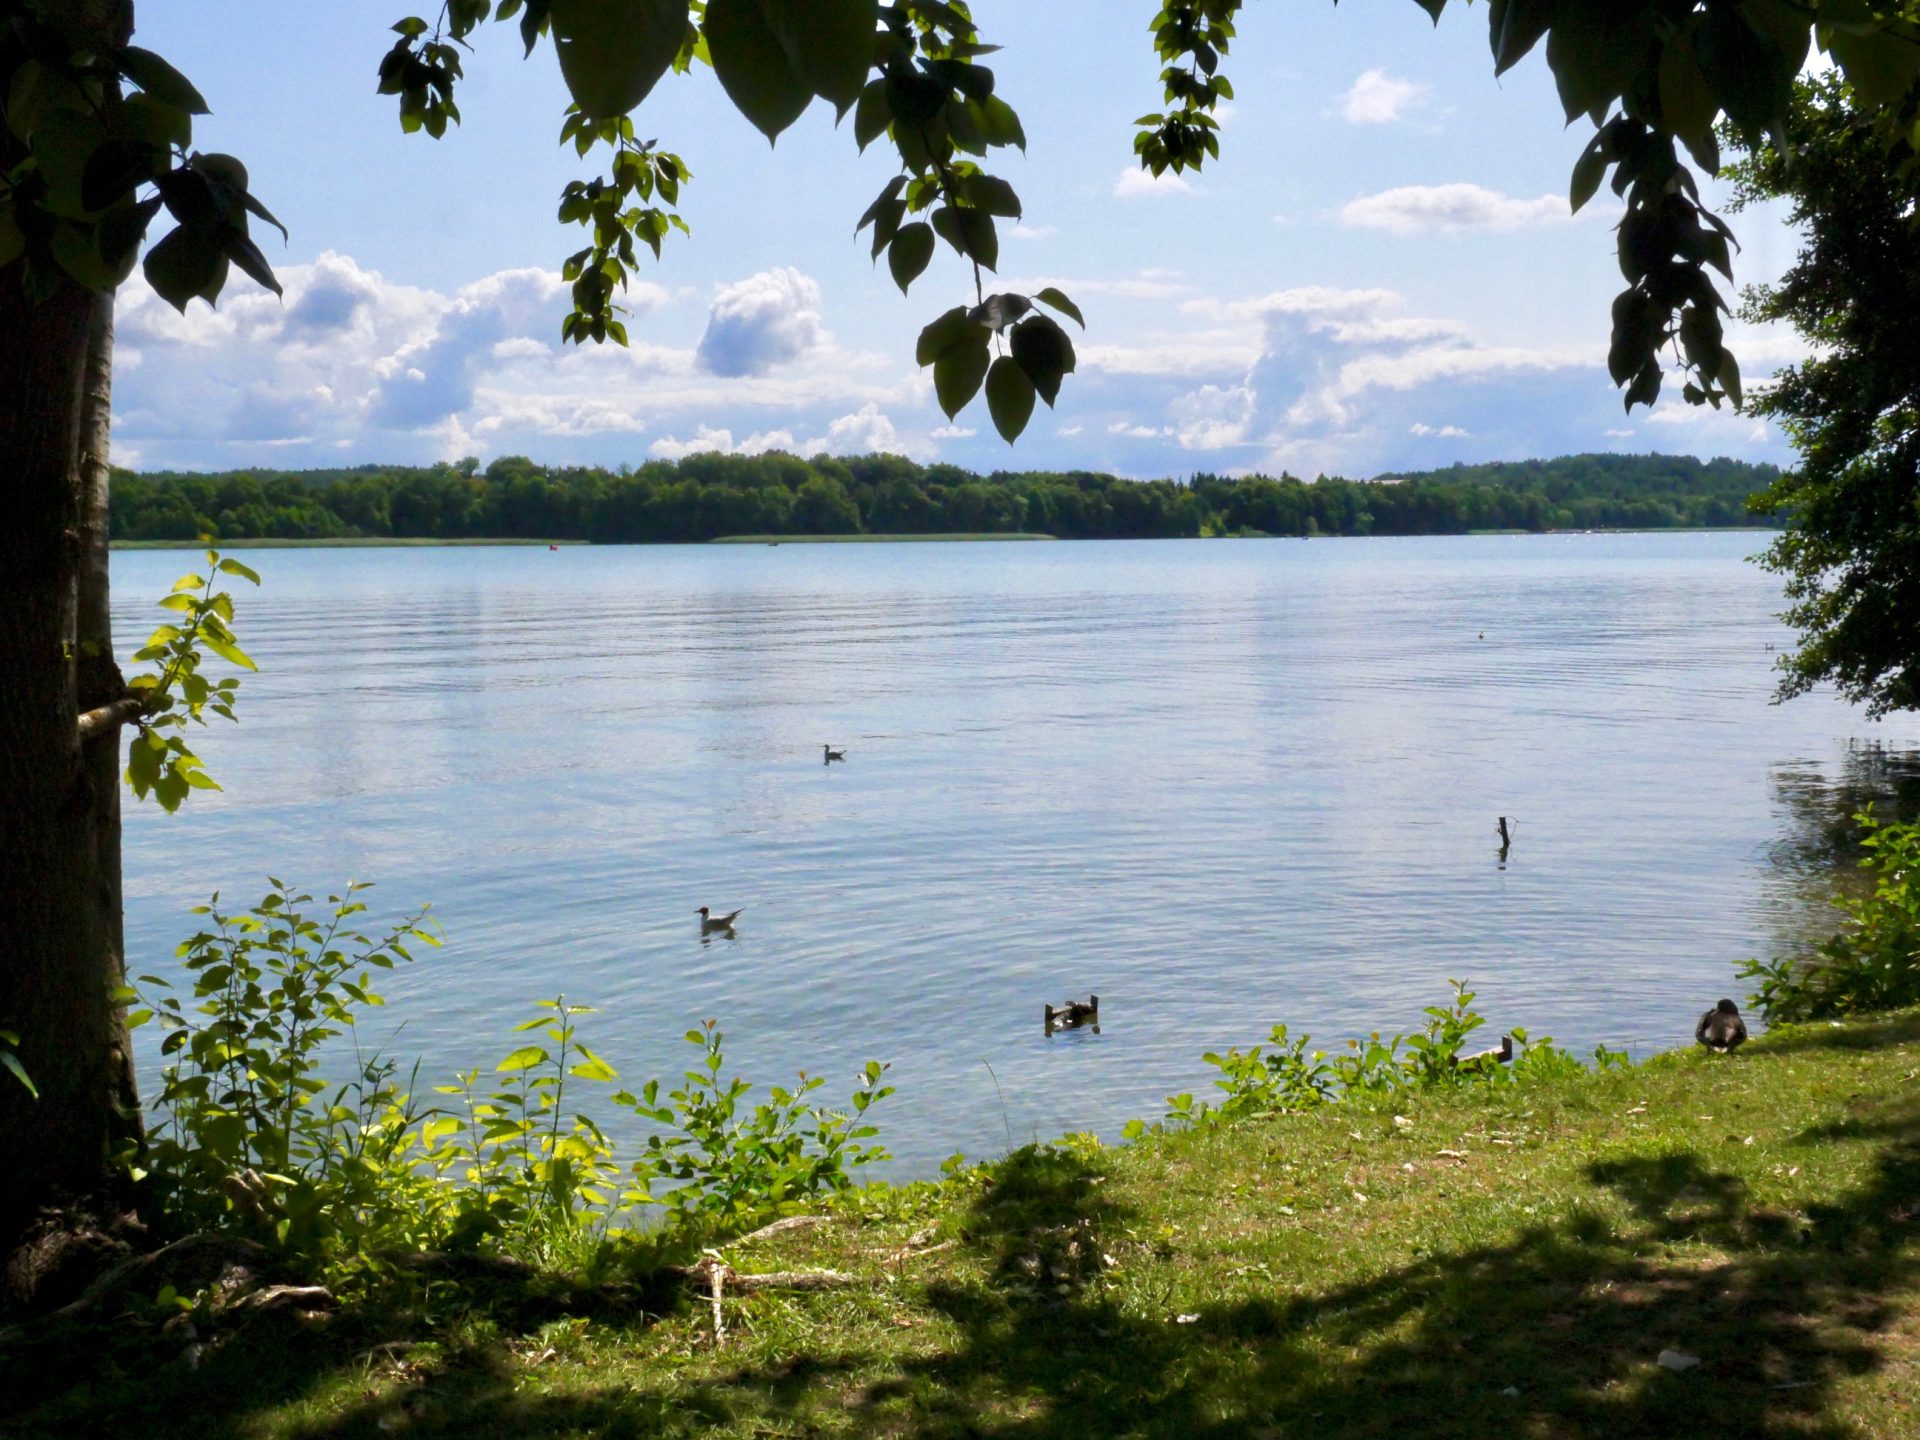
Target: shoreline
{"x":394,"y":542}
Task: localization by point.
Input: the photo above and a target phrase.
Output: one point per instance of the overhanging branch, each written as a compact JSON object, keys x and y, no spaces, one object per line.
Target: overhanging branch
{"x":106,"y":719}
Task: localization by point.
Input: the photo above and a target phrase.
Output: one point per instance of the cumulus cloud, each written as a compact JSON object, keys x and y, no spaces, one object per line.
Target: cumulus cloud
{"x":1133,"y":183}
{"x":952,"y":432}
{"x":1212,"y":417}
{"x":706,"y":438}
{"x":868,"y":431}
{"x":1415,"y":209}
{"x":760,"y":322}
{"x":427,"y":381}
{"x":1444,"y":432}
{"x":1378,"y":99}
{"x":355,"y":365}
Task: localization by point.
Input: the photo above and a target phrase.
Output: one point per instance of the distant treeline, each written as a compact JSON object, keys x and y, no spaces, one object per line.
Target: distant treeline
{"x":705,"y":496}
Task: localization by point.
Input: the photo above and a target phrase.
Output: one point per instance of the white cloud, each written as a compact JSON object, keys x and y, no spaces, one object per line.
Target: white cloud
{"x":763,"y":321}
{"x":357,"y":364}
{"x":1024,"y":231}
{"x":1133,"y":183}
{"x":1444,"y":432}
{"x":868,"y":431}
{"x":1132,"y":431}
{"x":952,"y":432}
{"x":1415,"y":209}
{"x":1213,"y":417}
{"x":1069,"y":430}
{"x":1378,"y":99}
{"x":706,"y":438}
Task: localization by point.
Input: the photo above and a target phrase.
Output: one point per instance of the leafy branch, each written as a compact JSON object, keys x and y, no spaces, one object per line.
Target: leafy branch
{"x":176,"y":693}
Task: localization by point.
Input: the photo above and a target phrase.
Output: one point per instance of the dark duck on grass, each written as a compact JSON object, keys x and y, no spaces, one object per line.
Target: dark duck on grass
{"x":1721,"y":1029}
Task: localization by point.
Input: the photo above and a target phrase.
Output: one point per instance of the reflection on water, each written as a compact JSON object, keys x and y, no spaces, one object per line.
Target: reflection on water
{"x":1219,"y":784}
{"x":1817,"y":852}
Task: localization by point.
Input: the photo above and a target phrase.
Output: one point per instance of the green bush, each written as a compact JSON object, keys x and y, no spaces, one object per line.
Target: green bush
{"x":1873,"y":961}
{"x":251,"y":1137}
{"x":1285,"y":1076}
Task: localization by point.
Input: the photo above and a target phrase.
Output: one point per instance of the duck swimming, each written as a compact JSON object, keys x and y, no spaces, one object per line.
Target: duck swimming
{"x":709,"y":922}
{"x":833,"y":754}
{"x":1073,"y":1013}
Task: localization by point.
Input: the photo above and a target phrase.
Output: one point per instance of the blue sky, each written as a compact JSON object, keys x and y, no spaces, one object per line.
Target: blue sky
{"x":1379,"y":275}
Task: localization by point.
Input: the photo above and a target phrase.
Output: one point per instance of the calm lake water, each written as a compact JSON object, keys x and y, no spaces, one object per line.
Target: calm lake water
{"x":1221,"y":784}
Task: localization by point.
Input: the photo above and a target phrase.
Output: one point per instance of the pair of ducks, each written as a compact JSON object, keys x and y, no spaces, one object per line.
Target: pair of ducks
{"x":710,"y":923}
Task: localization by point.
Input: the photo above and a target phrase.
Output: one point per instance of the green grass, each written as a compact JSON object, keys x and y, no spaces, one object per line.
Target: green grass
{"x":359,"y":542}
{"x":873,"y":539}
{"x":1480,"y":1263}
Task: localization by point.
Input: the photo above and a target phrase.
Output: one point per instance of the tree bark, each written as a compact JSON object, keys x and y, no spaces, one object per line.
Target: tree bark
{"x":60,"y":925}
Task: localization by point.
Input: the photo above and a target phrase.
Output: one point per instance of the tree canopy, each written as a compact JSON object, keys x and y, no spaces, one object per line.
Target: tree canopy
{"x":1851,"y":550}
{"x":704,"y":497}
{"x":99,"y":137}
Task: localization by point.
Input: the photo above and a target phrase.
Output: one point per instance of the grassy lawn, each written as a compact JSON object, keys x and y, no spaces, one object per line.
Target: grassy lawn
{"x":1476,"y":1263}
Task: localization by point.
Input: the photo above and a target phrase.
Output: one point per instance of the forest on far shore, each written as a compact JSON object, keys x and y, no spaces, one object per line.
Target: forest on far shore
{"x":704,"y":497}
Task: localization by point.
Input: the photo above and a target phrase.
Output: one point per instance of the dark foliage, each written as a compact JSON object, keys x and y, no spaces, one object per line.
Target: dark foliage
{"x":706,"y":496}
{"x":1851,"y":553}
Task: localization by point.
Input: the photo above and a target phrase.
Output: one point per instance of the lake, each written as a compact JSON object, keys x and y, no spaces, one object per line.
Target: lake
{"x":1219,"y":783}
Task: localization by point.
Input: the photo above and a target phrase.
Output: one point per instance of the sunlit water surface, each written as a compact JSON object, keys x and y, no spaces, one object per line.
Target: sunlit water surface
{"x":1221,"y":784}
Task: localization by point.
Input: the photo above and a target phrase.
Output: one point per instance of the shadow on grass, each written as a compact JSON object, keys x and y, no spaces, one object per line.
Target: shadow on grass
{"x":1554,"y":1333}
{"x":1900,"y":1029}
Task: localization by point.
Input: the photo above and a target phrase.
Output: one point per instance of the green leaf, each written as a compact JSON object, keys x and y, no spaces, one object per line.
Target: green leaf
{"x":525,"y":1058}
{"x":1009,"y":399}
{"x":909,"y":254}
{"x":188,"y":262}
{"x":991,"y":194}
{"x":1044,"y":352}
{"x":1514,"y":27}
{"x":1687,"y":102}
{"x":1053,"y":297}
{"x":871,"y":116}
{"x":970,"y":232}
{"x":234,"y":567}
{"x":1595,"y":52}
{"x":952,"y":326}
{"x":997,"y":122}
{"x":244,"y":253}
{"x":960,"y":368}
{"x":594,"y":1068}
{"x":613,"y":52}
{"x":1729,"y":376}
{"x":1589,"y":170}
{"x":12,"y":1063}
{"x":754,"y":67}
{"x":228,"y":651}
{"x":830,"y":44}
{"x":161,"y":80}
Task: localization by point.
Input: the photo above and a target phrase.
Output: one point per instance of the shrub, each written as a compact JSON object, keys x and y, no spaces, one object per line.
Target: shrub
{"x":1290,"y":1077}
{"x":251,"y":1137}
{"x":1873,"y":961}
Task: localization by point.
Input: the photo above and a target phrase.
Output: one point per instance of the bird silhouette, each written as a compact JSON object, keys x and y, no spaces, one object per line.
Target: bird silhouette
{"x":833,"y":754}
{"x":1721,"y":1029}
{"x":710,"y":922}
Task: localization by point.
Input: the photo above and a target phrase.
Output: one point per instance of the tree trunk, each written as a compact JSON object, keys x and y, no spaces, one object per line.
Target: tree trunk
{"x":59,"y":803}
